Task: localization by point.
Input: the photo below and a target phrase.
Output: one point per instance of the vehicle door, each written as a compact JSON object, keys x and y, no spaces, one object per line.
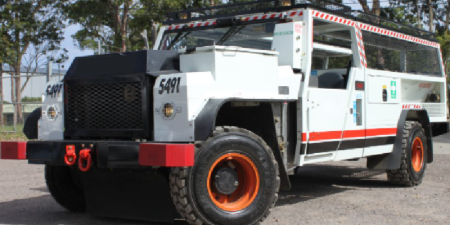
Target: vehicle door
{"x":335,"y":109}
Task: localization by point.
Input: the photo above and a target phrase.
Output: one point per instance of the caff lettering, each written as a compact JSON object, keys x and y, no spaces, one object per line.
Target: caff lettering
{"x":54,"y":90}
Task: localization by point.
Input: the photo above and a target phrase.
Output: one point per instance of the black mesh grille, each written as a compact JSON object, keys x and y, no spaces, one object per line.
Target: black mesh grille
{"x":105,"y":107}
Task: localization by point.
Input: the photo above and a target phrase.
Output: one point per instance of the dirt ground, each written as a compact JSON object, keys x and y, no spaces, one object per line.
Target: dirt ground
{"x":332,"y":193}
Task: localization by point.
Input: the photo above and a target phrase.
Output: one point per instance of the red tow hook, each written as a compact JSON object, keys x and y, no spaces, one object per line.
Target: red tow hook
{"x":70,"y":157}
{"x":86,"y":159}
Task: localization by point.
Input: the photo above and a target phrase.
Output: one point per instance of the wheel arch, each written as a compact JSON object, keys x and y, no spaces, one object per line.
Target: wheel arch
{"x":391,"y":161}
{"x":218,"y":112}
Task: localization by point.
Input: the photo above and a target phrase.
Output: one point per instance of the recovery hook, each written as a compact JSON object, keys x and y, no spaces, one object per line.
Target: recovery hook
{"x":70,"y":157}
{"x":85,"y":161}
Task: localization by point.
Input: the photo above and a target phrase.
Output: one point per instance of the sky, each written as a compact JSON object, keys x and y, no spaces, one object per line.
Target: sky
{"x":69,"y":44}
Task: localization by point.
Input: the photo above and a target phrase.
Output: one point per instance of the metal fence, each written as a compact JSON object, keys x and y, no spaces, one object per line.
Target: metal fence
{"x":13,"y":114}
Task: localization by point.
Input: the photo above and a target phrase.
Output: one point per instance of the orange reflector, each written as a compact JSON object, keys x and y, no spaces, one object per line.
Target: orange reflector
{"x":167,"y":155}
{"x":13,"y":150}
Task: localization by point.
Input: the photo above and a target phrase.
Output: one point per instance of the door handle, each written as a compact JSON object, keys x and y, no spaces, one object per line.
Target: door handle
{"x":358,"y":112}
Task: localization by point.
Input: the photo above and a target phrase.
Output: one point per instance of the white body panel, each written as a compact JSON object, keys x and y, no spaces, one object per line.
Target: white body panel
{"x":229,"y":73}
{"x":195,"y":90}
{"x":287,"y":40}
{"x":52,"y":129}
{"x":327,"y":108}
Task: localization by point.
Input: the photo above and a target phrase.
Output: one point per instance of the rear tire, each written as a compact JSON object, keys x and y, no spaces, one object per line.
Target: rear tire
{"x":64,"y":190}
{"x":205,"y":194}
{"x":414,"y":157}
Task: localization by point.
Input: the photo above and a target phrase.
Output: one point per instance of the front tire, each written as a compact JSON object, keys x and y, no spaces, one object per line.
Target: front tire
{"x":64,"y":190}
{"x":234,"y":180}
{"x":414,"y":157}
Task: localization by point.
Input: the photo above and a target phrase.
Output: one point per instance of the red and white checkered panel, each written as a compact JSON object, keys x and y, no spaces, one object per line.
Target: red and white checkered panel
{"x":262,"y":17}
{"x":398,"y":35}
{"x":333,"y":18}
{"x":442,"y":60}
{"x":362,"y":51}
{"x":192,"y":25}
{"x":295,"y":13}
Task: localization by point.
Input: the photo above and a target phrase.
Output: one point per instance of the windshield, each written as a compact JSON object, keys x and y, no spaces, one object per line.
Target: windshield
{"x":257,"y":36}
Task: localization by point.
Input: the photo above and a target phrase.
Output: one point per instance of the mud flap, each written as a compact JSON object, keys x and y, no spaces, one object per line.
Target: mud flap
{"x":129,"y":194}
{"x":391,"y":161}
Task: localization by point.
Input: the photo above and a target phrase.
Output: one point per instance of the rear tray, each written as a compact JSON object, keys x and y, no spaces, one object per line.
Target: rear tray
{"x":129,"y":194}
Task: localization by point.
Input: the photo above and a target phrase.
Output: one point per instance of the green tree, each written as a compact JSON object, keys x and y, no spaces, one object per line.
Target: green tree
{"x":113,"y":22}
{"x":122,"y":25}
{"x":5,"y":47}
{"x":103,"y":20}
{"x":444,"y":40}
{"x":26,"y":23}
{"x":148,"y":18}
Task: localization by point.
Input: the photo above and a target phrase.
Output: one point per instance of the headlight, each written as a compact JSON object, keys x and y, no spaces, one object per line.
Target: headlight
{"x":51,"y":112}
{"x":168,"y":110}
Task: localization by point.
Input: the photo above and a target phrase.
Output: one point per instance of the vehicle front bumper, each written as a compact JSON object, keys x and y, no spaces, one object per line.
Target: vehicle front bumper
{"x":105,"y":154}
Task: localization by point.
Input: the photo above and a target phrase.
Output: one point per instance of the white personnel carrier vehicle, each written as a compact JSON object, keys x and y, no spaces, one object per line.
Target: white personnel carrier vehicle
{"x":233,"y":99}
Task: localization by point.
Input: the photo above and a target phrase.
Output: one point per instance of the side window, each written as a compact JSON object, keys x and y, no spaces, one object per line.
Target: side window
{"x":332,"y":58}
{"x":392,"y":54}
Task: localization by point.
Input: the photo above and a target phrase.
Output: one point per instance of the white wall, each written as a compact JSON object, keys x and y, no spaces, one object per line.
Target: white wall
{"x":35,"y":87}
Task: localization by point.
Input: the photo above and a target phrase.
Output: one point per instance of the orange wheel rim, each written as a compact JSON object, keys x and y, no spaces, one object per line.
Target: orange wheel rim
{"x":246,"y":189}
{"x":417,"y":154}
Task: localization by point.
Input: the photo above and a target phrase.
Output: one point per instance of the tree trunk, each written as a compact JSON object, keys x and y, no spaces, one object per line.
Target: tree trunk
{"x":124,"y":42}
{"x":123,"y":25}
{"x":145,"y":39}
{"x":431,"y":16}
{"x":418,"y":14}
{"x":155,"y":28}
{"x":13,"y":97}
{"x":376,"y":10}
{"x":1,"y":94}
{"x":25,"y":84}
{"x":18,"y":95}
{"x":447,"y":16}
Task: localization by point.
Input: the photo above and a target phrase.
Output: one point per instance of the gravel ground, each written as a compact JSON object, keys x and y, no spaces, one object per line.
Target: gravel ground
{"x":331,"y":193}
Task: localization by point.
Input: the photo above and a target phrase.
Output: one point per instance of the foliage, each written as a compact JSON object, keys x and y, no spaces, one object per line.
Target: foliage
{"x":444,"y":40}
{"x":31,"y":99}
{"x":30,"y":22}
{"x":27,"y":23}
{"x":119,"y":24}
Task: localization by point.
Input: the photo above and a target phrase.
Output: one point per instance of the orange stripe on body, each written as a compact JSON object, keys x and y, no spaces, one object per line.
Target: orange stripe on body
{"x":382,"y":131}
{"x":332,"y":135}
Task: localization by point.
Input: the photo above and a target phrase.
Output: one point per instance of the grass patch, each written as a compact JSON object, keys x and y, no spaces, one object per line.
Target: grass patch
{"x":7,"y":133}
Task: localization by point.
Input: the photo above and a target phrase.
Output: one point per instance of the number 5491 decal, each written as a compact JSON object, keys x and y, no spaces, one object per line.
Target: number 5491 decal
{"x":170,"y":85}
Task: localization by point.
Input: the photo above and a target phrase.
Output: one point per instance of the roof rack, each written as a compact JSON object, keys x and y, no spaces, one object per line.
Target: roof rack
{"x":262,"y":6}
{"x":392,"y":25}
{"x":265,"y":6}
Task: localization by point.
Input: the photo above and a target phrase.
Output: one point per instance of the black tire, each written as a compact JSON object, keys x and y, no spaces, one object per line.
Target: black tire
{"x":410,"y":173}
{"x":64,"y":190}
{"x":30,"y":128}
{"x":191,"y":195}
